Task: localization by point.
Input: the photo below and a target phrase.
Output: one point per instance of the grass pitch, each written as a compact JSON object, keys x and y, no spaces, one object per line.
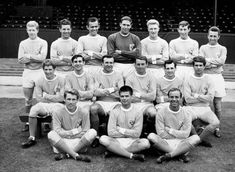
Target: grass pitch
{"x":40,"y":158}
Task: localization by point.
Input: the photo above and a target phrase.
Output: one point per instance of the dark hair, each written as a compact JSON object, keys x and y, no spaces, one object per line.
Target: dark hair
{"x":76,"y":56}
{"x":64,"y":22}
{"x":73,"y":92}
{"x":199,"y":59}
{"x":184,"y":23}
{"x":48,"y":62}
{"x":126,"y":18}
{"x":214,"y":29}
{"x":169,"y":62}
{"x":174,"y":89}
{"x":141,"y":58}
{"x":126,"y":88}
{"x":107,"y":56}
{"x":92,"y":19}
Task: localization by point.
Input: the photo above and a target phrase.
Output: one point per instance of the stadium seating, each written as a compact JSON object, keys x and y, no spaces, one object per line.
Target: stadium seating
{"x":109,"y":13}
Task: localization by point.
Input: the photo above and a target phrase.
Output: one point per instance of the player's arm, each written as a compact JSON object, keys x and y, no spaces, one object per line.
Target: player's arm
{"x":133,"y":53}
{"x":208,"y":97}
{"x":220,"y":59}
{"x":39,"y":91}
{"x":190,"y":96}
{"x":41,"y":55}
{"x":23,"y":57}
{"x":151,"y":94}
{"x":184,"y":129}
{"x":174,"y":55}
{"x":57,"y":126}
{"x":99,"y":55}
{"x":136,"y":130}
{"x":160,"y":126}
{"x":112,"y":126}
{"x":85,"y":123}
{"x":57,"y":57}
{"x":58,"y":93}
{"x":88,"y":93}
{"x":161,"y":58}
{"x":160,"y":96}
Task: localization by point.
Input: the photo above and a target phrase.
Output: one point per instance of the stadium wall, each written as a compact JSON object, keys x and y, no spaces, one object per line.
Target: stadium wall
{"x":10,"y":39}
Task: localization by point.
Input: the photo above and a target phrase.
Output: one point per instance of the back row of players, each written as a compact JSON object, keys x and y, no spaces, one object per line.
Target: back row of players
{"x":68,"y":57}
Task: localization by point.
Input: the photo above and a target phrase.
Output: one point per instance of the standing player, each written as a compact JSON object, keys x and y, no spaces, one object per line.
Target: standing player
{"x":71,"y":129}
{"x":63,"y":49}
{"x":124,"y":128}
{"x":199,"y":92}
{"x":173,"y":126}
{"x":155,"y":49}
{"x":92,"y":46}
{"x":32,"y":52}
{"x":166,"y":82}
{"x":80,"y":80}
{"x":124,"y":47}
{"x":108,"y":83}
{"x":144,"y":92}
{"x":183,"y":49}
{"x":215,"y":55}
{"x":49,"y":94}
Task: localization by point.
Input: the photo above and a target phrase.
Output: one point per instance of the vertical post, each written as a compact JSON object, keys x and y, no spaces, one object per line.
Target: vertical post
{"x":215,"y":13}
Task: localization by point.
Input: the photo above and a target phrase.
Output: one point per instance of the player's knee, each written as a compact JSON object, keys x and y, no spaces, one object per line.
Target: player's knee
{"x":53,"y":137}
{"x":91,"y":134}
{"x":35,"y":110}
{"x":94,"y":109}
{"x":145,"y":143}
{"x":194,"y":140}
{"x":152,"y":137}
{"x":104,"y":140}
{"x":151,"y":112}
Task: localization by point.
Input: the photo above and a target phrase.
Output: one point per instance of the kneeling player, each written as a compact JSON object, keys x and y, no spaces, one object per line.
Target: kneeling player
{"x":124,"y":128}
{"x":173,"y":126}
{"x":71,"y":129}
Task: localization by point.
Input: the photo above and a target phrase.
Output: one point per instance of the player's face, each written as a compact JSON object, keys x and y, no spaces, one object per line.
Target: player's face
{"x":65,"y":31}
{"x":125,"y":26}
{"x":140,"y":66}
{"x":71,"y":102}
{"x":93,"y":28}
{"x":78,"y":63}
{"x":125,"y":98}
{"x":49,"y":72}
{"x":198,"y":68}
{"x":183,"y":31}
{"x":108,"y":65}
{"x":153,"y":30}
{"x":174,"y":98}
{"x":213,"y":37}
{"x":170,"y":70}
{"x":32,"y":32}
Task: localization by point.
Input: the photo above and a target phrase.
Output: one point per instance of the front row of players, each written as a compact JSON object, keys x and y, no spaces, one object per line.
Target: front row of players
{"x":173,"y":123}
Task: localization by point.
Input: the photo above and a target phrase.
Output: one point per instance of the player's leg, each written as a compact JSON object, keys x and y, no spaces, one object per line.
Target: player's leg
{"x":114,"y":146}
{"x":139,"y":145}
{"x":217,"y":102}
{"x":97,"y":116}
{"x":159,"y":143}
{"x":149,"y":120}
{"x":86,"y":140}
{"x":185,"y":145}
{"x":208,"y":116}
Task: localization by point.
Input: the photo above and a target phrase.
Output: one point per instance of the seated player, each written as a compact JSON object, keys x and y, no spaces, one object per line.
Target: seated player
{"x":49,"y":94}
{"x":173,"y":126}
{"x":108,"y":82}
{"x":199,"y":92}
{"x":144,"y":92}
{"x":166,"y":82}
{"x":124,"y":128}
{"x":80,"y":80}
{"x":71,"y":129}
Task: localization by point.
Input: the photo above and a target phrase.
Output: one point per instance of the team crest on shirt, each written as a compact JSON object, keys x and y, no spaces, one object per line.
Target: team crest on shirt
{"x":131,"y":122}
